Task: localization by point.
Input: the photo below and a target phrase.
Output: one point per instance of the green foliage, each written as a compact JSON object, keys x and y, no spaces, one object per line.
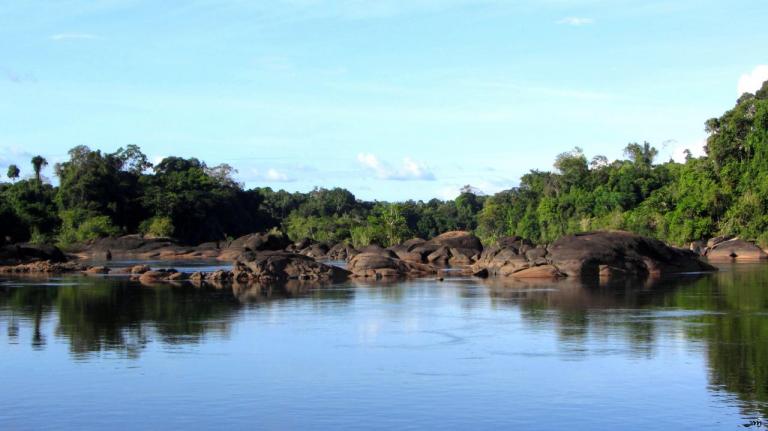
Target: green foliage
{"x":323,"y":229}
{"x":80,"y":226}
{"x":13,"y":172}
{"x":29,"y":208}
{"x":725,"y":192}
{"x":38,"y":163}
{"x":157,"y":227}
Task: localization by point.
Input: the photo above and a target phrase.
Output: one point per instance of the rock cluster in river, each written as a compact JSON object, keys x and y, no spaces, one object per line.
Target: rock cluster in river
{"x":268,"y":266}
{"x":269,"y":257}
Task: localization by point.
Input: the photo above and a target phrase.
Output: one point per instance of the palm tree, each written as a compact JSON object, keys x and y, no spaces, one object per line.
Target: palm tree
{"x":38,"y":162}
{"x":13,"y":172}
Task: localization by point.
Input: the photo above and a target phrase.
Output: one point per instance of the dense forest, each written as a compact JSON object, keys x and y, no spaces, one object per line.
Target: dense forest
{"x":105,"y":194}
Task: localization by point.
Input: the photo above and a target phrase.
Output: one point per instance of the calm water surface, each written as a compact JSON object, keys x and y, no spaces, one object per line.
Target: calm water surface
{"x":107,"y":353}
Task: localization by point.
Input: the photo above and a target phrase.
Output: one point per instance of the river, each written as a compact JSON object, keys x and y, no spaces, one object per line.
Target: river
{"x":689,"y":352}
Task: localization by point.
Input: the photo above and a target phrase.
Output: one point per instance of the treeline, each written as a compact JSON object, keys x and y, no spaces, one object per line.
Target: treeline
{"x":103,"y":194}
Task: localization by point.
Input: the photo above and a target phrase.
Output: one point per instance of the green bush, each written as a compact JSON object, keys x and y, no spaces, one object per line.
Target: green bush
{"x":80,"y":226}
{"x":157,"y":227}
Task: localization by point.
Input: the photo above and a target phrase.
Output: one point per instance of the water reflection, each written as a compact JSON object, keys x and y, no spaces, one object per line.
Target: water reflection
{"x":725,"y":315}
{"x":101,"y":314}
{"x":727,"y":311}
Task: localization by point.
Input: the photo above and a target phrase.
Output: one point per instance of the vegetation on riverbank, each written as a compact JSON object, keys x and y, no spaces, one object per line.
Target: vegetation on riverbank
{"x":103,"y":194}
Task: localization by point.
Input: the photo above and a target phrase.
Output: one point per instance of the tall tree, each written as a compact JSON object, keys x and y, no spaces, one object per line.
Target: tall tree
{"x":38,"y":162}
{"x":13,"y":172}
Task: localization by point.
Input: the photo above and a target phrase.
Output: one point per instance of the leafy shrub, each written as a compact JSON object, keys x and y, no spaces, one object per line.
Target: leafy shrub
{"x":81,"y":226}
{"x":157,"y":227}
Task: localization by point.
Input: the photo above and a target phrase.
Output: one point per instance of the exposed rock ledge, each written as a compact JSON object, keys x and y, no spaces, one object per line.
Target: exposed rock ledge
{"x":582,"y":256}
{"x":281,"y":266}
{"x":591,"y":255}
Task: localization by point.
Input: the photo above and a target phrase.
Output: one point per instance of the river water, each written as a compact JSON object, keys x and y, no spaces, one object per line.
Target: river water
{"x":690,"y":352}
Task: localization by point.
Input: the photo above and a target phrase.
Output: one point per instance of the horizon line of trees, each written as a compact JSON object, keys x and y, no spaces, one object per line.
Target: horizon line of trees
{"x":724,"y":192}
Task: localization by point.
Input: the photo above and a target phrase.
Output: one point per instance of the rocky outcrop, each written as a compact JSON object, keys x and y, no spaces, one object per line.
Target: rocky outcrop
{"x":381,"y":265}
{"x":500,"y":261}
{"x":281,"y":266}
{"x":455,"y":248}
{"x":139,"y":247}
{"x":516,"y":242}
{"x":341,"y":251}
{"x":260,"y":241}
{"x":459,"y":240}
{"x":43,"y":267}
{"x":615,"y":253}
{"x":26,"y":253}
{"x":316,"y":251}
{"x":733,"y":249}
{"x":590,"y":255}
{"x":378,"y":250}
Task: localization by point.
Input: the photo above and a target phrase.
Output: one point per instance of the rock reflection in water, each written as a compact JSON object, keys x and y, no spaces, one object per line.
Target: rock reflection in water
{"x":102,"y":314}
{"x":727,"y":312}
{"x":722,"y":317}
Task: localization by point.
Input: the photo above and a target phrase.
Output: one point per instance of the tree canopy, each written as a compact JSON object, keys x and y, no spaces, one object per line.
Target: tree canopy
{"x":98,"y":194}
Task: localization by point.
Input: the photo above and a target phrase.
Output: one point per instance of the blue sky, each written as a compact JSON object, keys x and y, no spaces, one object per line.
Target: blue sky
{"x":392,"y":99}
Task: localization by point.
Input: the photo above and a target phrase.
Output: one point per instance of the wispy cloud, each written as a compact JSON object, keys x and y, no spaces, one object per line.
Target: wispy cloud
{"x":576,"y":21}
{"x":270,"y":175}
{"x":752,"y":81}
{"x":409,"y":169}
{"x":19,"y":77}
{"x":73,"y":36}
{"x":13,"y":154}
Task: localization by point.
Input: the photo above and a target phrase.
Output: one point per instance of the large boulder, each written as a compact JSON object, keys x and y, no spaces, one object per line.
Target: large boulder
{"x":458,"y":239}
{"x":25,"y":253}
{"x":341,"y":251}
{"x":455,"y":248}
{"x":516,"y":242}
{"x":261,"y":241}
{"x":377,"y":265}
{"x":735,"y":249}
{"x":316,"y":251}
{"x":500,"y":261}
{"x":413,"y":242}
{"x":611,"y":253}
{"x":379,"y":250}
{"x":280,"y":266}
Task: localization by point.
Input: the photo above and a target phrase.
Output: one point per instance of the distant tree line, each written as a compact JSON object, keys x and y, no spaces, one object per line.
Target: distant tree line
{"x":105,"y":194}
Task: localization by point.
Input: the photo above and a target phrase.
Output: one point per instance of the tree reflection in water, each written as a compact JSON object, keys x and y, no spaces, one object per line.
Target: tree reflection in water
{"x":726,"y":314}
{"x":106,"y":314}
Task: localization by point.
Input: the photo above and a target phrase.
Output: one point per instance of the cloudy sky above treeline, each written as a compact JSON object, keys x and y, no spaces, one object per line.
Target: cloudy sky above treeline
{"x":392,"y":99}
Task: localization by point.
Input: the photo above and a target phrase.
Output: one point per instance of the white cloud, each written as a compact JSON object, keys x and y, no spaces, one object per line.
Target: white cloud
{"x":271,"y":175}
{"x":73,"y":36}
{"x":275,"y":175}
{"x":751,"y":82}
{"x":409,"y":170}
{"x":157,"y":159}
{"x":696,"y":148}
{"x":576,"y":21}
